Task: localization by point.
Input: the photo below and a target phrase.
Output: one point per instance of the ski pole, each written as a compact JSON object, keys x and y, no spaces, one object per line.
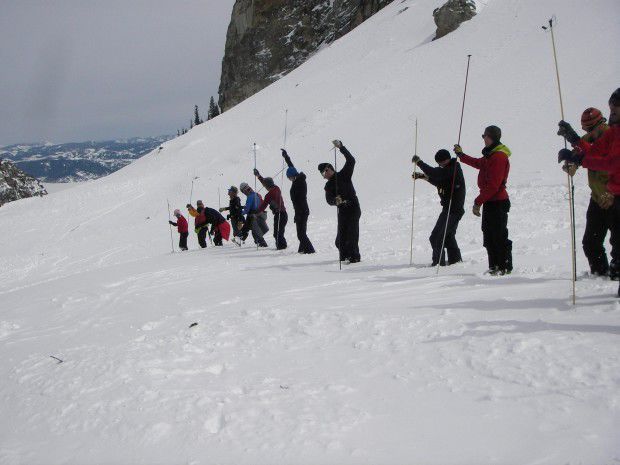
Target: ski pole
{"x":415,"y":167}
{"x":255,"y":218}
{"x":171,"y":240}
{"x":191,"y":192}
{"x":571,"y":186}
{"x":445,"y":231}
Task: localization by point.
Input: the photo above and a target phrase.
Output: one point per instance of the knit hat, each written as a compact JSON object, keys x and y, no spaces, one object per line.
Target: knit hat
{"x":268,"y":183}
{"x":177,"y":212}
{"x":442,"y":155}
{"x":199,"y":203}
{"x":291,"y":172}
{"x":590,"y":118}
{"x":494,"y":133}
{"x":232,"y":189}
{"x":243,"y":186}
{"x":323,"y":166}
{"x":615,"y":98}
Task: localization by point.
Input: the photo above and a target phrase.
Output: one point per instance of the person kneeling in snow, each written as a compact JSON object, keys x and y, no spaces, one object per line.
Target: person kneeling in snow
{"x":182,"y":228}
{"x":602,"y":154}
{"x":450,"y":183}
{"x":493,"y":198}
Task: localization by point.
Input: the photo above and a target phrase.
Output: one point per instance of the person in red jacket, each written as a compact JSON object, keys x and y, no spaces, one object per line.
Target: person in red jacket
{"x":182,"y":228}
{"x":604,"y":155}
{"x":273,"y":200}
{"x":493,"y":199}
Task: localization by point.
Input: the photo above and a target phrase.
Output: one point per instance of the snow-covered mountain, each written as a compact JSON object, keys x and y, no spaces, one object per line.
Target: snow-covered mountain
{"x":79,"y":161}
{"x":15,"y":184}
{"x":291,"y":359}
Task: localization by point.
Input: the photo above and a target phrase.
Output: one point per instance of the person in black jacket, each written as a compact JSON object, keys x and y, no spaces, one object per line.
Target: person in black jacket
{"x":442,"y":177}
{"x":219,"y":225}
{"x":235,"y":211}
{"x":299,"y":192}
{"x":339,"y":191}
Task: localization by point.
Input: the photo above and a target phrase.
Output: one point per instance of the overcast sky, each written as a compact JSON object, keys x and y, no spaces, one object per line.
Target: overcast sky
{"x":76,"y":70}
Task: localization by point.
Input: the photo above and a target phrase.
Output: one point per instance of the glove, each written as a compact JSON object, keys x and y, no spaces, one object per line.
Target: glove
{"x":458,"y":150}
{"x":284,"y":154}
{"x":256,"y":173}
{"x":569,"y":168}
{"x":227,"y":217}
{"x":337,"y":143}
{"x":476,"y":210}
{"x":222,"y":209}
{"x":606,"y":200}
{"x":569,"y":156}
{"x":417,"y":175}
{"x":171,"y":223}
{"x":566,"y":130}
{"x":415,"y":159}
{"x":240,"y":225}
{"x":189,"y":205}
{"x":339,"y":200}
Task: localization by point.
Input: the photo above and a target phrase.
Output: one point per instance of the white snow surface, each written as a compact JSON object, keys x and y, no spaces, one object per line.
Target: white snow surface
{"x":292,"y":360}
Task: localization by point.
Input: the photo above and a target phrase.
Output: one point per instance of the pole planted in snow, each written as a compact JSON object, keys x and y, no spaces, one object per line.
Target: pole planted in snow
{"x":445,"y":231}
{"x":171,"y":240}
{"x":337,"y":210}
{"x":282,"y":179}
{"x":415,"y":167}
{"x":571,"y":186}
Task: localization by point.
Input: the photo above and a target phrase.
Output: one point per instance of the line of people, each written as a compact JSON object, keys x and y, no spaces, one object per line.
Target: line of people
{"x":252,"y":217}
{"x":598,"y":151}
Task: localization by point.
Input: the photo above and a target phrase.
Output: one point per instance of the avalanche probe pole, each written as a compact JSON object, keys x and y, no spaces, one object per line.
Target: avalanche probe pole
{"x":571,"y":186}
{"x":415,"y":167}
{"x":445,"y":231}
{"x":255,"y":216}
{"x":282,"y":182}
{"x":171,"y":240}
{"x":337,"y":211}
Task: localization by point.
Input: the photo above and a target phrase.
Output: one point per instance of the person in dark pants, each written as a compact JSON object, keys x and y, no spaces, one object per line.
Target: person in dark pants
{"x":339,"y":192}
{"x":598,"y":217}
{"x":450,"y":183}
{"x":182,"y":228}
{"x":200,"y":222}
{"x":494,"y":167}
{"x":299,"y":197}
{"x":235,"y":211}
{"x":602,"y":155}
{"x":220,"y":229}
{"x":255,"y":221}
{"x":274,"y":200}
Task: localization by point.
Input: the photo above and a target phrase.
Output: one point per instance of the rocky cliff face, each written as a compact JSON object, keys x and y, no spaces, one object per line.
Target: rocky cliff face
{"x":450,"y":16}
{"x":268,"y":38}
{"x":15,"y":184}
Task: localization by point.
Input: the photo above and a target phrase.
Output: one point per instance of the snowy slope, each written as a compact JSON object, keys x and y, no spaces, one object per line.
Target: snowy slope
{"x":292,"y":360}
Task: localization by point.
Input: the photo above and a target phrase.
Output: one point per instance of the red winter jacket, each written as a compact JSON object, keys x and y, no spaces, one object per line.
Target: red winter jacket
{"x":182,"y":224}
{"x":494,"y":168}
{"x":274,"y":200}
{"x":604,"y":155}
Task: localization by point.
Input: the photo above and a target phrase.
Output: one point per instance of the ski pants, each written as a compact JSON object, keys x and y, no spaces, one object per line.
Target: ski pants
{"x":183,"y":240}
{"x":301,"y":224}
{"x":495,"y":234}
{"x":202,"y":236}
{"x":598,"y":222}
{"x":436,"y":238}
{"x":614,"y":213}
{"x":279,"y":225}
{"x":257,"y":223}
{"x":349,"y":232}
{"x":217,"y":237}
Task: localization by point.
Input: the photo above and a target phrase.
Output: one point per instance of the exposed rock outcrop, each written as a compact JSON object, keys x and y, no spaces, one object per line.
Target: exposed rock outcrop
{"x":450,"y":16}
{"x":268,"y":38}
{"x":15,"y":184}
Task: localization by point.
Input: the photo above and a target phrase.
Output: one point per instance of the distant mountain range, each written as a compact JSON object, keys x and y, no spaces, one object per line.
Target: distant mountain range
{"x":78,"y":161}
